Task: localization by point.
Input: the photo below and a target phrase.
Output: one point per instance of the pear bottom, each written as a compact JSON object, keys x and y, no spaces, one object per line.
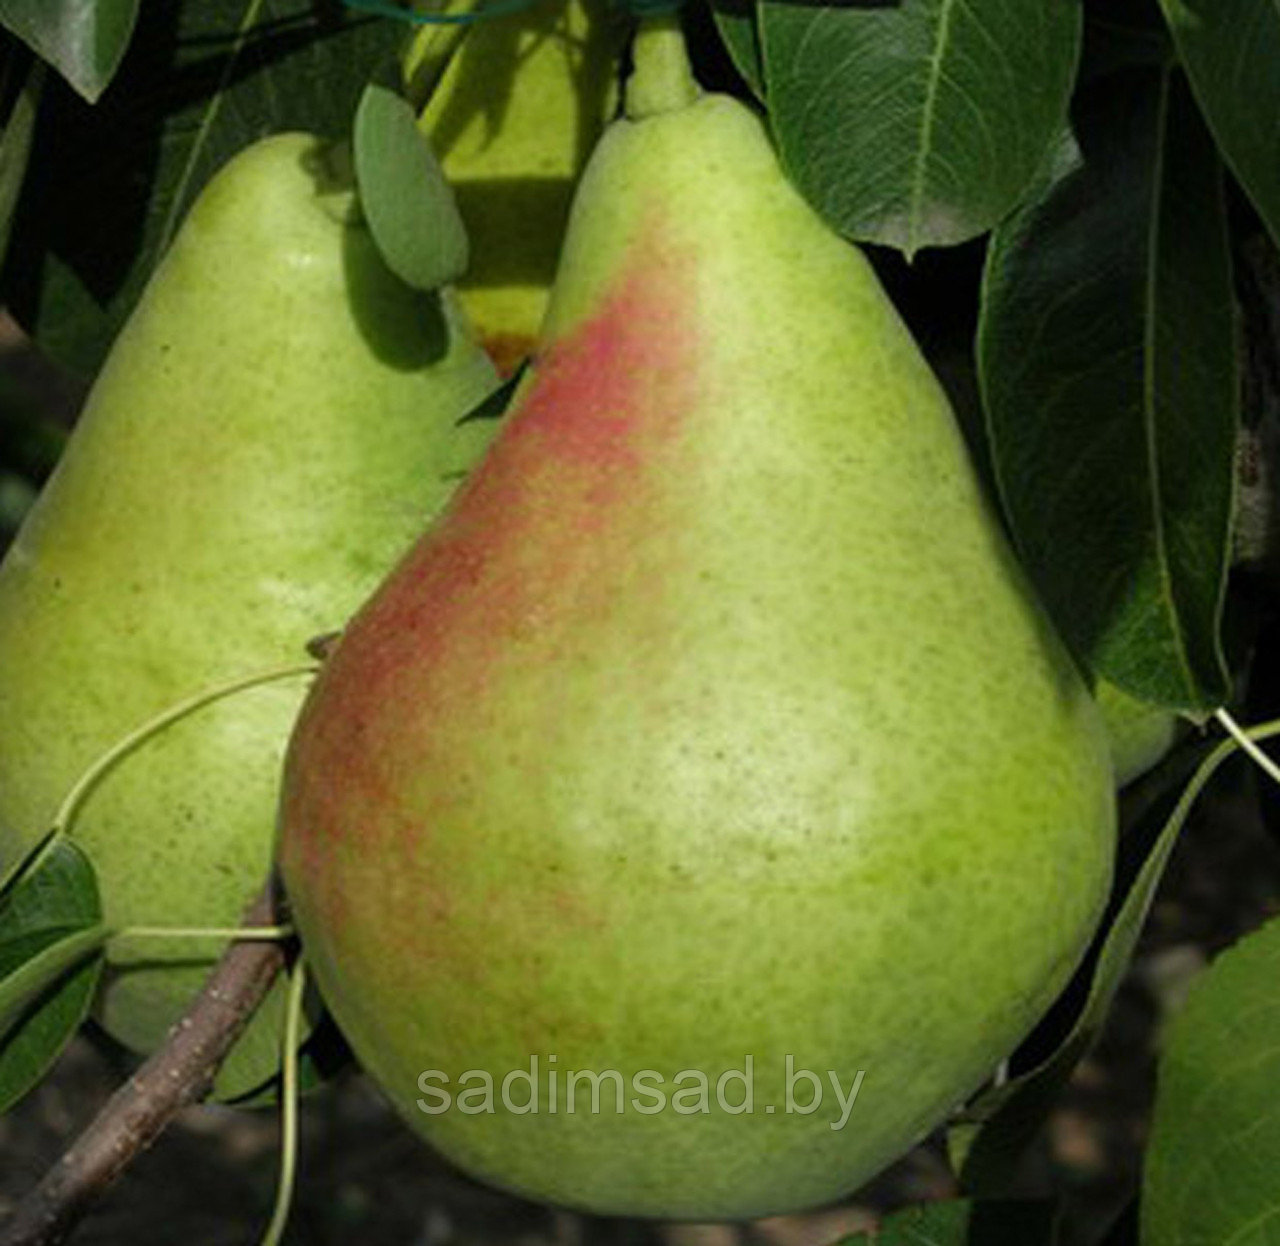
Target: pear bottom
{"x":646,"y":1037}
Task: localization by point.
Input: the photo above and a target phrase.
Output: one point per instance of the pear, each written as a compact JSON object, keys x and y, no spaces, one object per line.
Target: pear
{"x":1140,"y":733}
{"x":270,"y":431}
{"x":709,"y":759}
{"x":514,"y":117}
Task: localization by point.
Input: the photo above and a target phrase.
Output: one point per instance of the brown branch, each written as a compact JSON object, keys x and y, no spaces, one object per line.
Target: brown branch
{"x":178,"y":1074}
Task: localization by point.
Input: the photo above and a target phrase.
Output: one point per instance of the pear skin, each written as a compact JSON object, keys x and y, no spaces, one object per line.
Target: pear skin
{"x":712,"y":740}
{"x":272,"y":428}
{"x":1140,"y":733}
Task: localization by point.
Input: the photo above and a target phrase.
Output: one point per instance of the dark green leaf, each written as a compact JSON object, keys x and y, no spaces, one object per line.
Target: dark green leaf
{"x":406,"y":200}
{"x":1215,"y":1141}
{"x":15,"y":148}
{"x":30,"y":963}
{"x":50,"y":929}
{"x":83,"y":39}
{"x":920,"y":122}
{"x":960,"y":1222}
{"x":1004,"y":1119}
{"x":1231,"y":51}
{"x":201,"y":81}
{"x":736,"y":22}
{"x":1108,"y":362}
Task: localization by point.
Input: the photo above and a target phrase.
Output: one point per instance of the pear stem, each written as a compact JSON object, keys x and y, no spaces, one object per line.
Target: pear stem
{"x":1237,"y":733}
{"x":89,"y":779}
{"x":204,"y":932}
{"x":662,"y":80}
{"x":288,"y":1104}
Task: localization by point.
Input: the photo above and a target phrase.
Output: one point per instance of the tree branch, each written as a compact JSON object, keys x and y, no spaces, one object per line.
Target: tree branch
{"x":178,"y":1074}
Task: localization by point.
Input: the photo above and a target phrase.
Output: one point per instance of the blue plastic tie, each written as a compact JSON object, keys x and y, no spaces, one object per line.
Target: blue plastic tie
{"x":385,"y":8}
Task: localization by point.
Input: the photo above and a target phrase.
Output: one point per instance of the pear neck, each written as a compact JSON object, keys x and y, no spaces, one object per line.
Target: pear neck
{"x":662,"y":80}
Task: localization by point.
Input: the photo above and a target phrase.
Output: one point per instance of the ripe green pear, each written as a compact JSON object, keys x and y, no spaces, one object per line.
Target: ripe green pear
{"x":273,"y":426}
{"x":713,"y":725}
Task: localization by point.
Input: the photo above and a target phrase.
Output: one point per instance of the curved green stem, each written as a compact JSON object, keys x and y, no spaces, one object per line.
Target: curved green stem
{"x":74,"y":798}
{"x":85,"y":783}
{"x":1242,"y":738}
{"x":288,"y":1104}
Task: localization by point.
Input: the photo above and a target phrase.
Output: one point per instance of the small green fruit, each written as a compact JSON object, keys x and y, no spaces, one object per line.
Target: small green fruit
{"x":273,"y":425}
{"x":713,"y":723}
{"x":1140,"y":734}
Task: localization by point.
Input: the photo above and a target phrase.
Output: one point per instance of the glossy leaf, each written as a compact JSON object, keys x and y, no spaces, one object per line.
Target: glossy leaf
{"x":50,"y":928}
{"x":917,"y":123}
{"x":1231,"y":51}
{"x":406,"y":200}
{"x":1215,"y":1142}
{"x":1003,"y":1120}
{"x":200,"y":82}
{"x":1108,"y":362}
{"x":84,"y":40}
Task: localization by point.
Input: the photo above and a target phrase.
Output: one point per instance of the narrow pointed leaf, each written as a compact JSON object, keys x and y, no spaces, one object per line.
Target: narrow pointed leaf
{"x":736,"y":22}
{"x":15,"y":148}
{"x":1108,"y":363}
{"x":408,"y":203}
{"x":1215,"y":1143}
{"x":50,"y":929}
{"x":200,"y":82}
{"x":917,"y":123}
{"x":986,"y":1149}
{"x":84,"y":40}
{"x":1231,"y":52}
{"x":39,"y":959}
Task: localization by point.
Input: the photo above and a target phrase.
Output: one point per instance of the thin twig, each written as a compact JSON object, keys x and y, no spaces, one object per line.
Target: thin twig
{"x":178,"y":1074}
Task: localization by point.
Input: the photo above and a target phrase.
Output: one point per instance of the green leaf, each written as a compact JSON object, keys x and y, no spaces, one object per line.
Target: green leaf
{"x":736,"y":22}
{"x":1215,"y":1142}
{"x":1003,"y":1120}
{"x":50,"y":928}
{"x":323,"y":1055}
{"x":201,"y":81}
{"x":961,"y":1222}
{"x":84,"y":40}
{"x":917,"y":123}
{"x":1108,"y":365}
{"x":1231,"y":51}
{"x":15,"y":148}
{"x":30,"y":963}
{"x":406,"y":200}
